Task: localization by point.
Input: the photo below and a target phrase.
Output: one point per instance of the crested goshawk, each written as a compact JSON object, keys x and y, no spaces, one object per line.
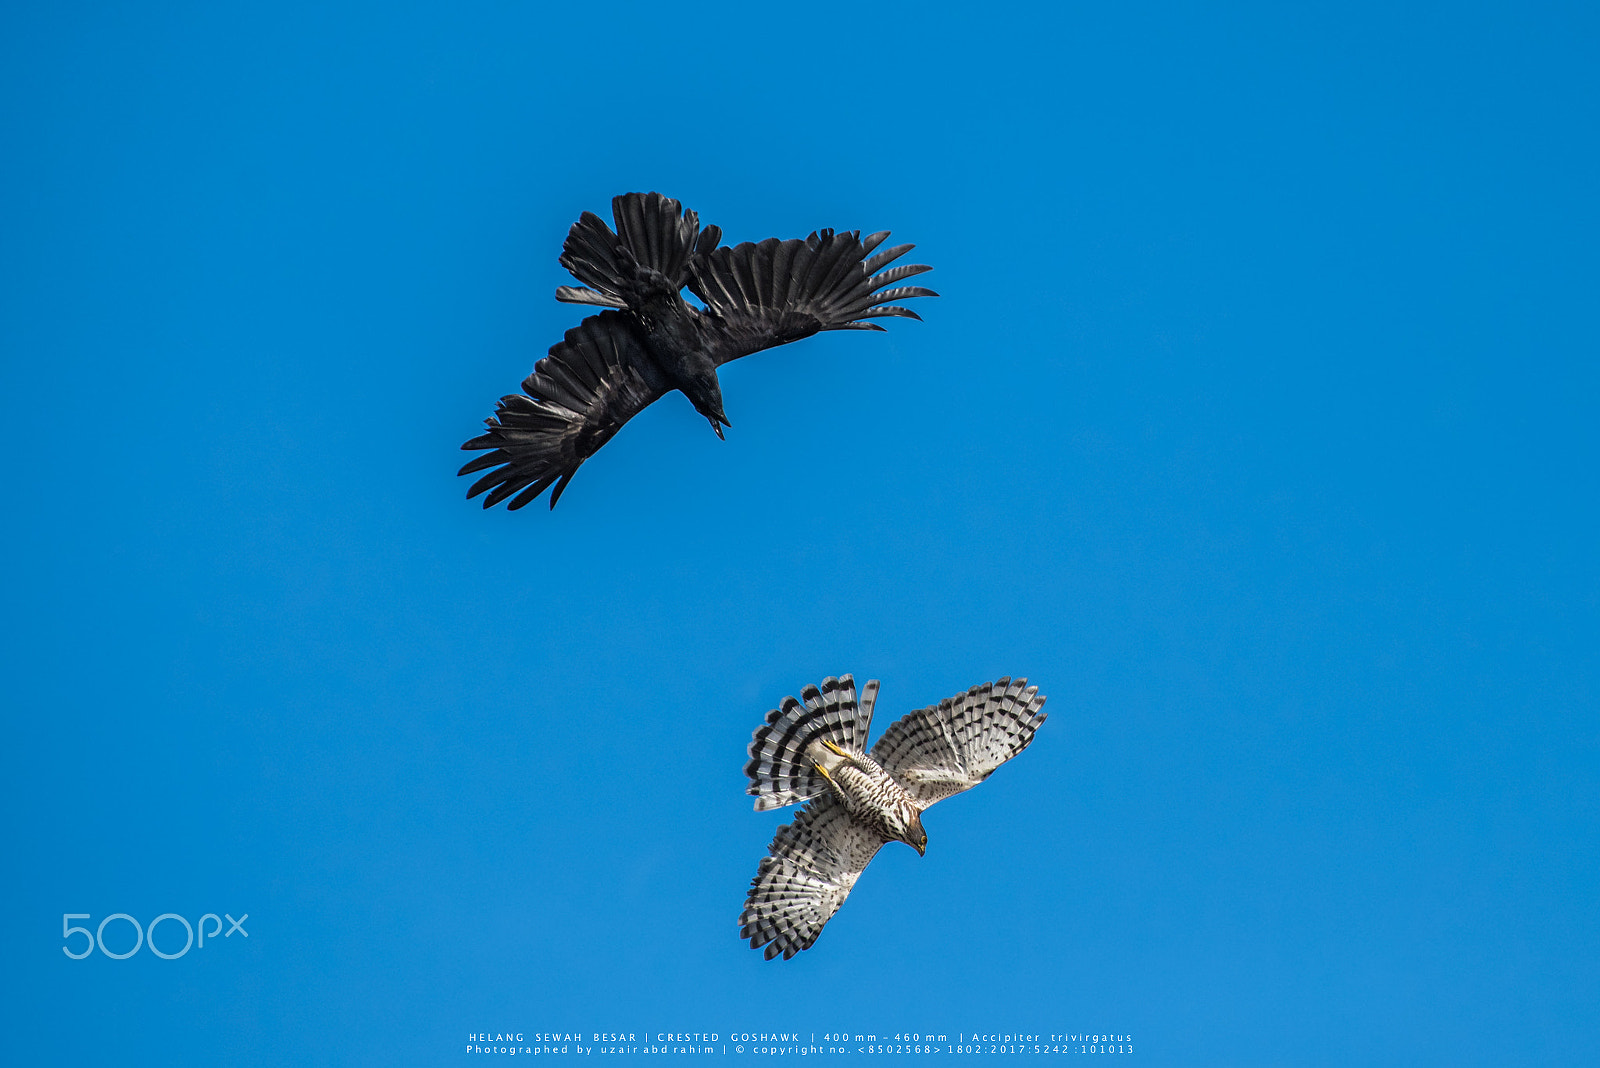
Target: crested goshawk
{"x":816,"y":750}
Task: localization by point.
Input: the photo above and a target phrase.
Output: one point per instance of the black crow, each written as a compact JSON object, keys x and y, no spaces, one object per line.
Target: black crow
{"x":612,"y":365}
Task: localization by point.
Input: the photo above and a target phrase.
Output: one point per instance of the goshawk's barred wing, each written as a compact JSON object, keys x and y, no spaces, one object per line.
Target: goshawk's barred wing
{"x":594,"y":380}
{"x":953,"y":746}
{"x":653,"y":232}
{"x":761,"y":295}
{"x":780,"y":772}
{"x":813,"y":864}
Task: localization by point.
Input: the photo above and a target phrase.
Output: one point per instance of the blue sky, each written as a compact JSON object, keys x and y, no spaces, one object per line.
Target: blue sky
{"x":1255,"y":424}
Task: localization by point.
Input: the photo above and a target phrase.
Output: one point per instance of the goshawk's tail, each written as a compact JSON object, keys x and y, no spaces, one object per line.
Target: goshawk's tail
{"x":781,"y":773}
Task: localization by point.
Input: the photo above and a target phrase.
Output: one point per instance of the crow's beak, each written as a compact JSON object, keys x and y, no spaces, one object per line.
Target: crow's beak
{"x":719,"y":421}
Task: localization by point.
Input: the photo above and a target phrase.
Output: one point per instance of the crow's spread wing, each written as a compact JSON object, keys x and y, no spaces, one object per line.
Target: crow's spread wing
{"x":767,"y":294}
{"x":653,"y":233}
{"x":594,"y":380}
{"x":954,"y":745}
{"x":813,"y":864}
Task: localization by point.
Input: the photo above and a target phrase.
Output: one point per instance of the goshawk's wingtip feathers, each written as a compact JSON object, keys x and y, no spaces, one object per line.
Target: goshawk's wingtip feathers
{"x":808,"y":872}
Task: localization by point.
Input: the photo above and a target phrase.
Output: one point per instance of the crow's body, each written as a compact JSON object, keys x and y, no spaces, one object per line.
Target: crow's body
{"x":651,"y":341}
{"x":675,"y":339}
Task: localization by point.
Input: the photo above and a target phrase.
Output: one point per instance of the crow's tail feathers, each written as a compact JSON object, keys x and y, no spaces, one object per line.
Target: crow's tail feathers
{"x":781,"y":770}
{"x":654,"y":234}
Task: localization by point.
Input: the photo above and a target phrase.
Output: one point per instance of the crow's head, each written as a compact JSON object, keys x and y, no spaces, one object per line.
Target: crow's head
{"x":705,"y":393}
